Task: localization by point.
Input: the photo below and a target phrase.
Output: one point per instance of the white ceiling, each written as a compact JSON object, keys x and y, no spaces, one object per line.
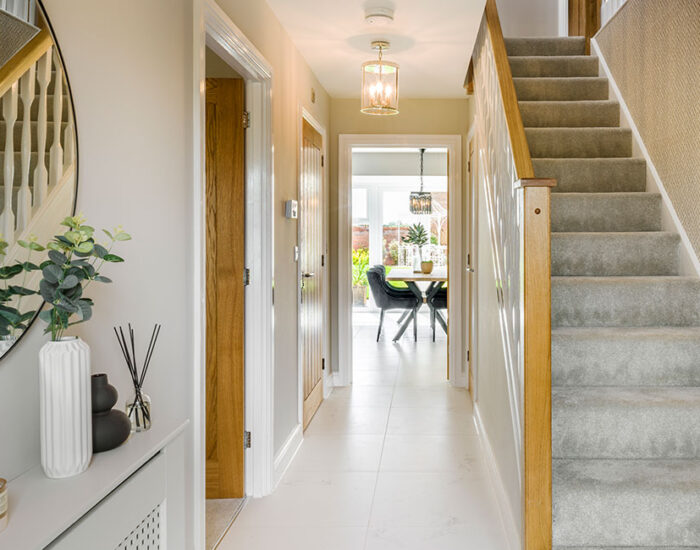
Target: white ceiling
{"x":430,"y":39}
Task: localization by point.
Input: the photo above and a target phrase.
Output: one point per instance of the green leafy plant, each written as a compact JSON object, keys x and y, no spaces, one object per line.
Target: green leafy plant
{"x":12,"y":318}
{"x":360,"y":265}
{"x":416,"y":235}
{"x":74,"y":262}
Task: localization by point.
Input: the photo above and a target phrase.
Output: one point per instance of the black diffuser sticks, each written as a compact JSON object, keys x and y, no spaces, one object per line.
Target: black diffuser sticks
{"x":139,"y":411}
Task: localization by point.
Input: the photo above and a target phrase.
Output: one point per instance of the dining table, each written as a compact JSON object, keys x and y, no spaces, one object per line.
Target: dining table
{"x":435,"y":279}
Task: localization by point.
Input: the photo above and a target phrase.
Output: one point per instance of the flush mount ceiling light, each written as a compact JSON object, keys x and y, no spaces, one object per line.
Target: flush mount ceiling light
{"x":380,"y":84}
{"x":421,"y":202}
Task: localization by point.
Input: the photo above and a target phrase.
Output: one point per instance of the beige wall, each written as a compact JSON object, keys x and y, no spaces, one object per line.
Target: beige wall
{"x":417,"y":116}
{"x":130,"y":70}
{"x":653,"y":51}
{"x":291,"y":88}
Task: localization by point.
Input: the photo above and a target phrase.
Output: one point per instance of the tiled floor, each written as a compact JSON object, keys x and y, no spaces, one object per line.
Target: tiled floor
{"x":391,"y":463}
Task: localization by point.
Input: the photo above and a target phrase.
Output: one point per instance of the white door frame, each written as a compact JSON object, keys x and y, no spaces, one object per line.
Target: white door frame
{"x":213,"y":28}
{"x":305,"y":115}
{"x":343,"y":319}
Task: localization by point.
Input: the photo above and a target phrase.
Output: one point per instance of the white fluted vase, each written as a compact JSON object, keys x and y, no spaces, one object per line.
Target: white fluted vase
{"x":66,"y":407}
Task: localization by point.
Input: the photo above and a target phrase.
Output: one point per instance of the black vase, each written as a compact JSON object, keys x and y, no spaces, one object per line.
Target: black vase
{"x":110,"y":428}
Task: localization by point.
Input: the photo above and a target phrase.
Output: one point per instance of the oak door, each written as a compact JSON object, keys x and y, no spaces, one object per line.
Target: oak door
{"x":310,"y":259}
{"x":225,"y":297}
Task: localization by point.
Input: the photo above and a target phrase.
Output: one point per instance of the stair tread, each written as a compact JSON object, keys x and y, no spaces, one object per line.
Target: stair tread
{"x":601,"y":174}
{"x":623,"y":211}
{"x":628,"y":503}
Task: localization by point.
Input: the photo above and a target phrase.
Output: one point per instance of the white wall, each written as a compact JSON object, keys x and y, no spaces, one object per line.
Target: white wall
{"x":524,"y":18}
{"x":130,"y":68}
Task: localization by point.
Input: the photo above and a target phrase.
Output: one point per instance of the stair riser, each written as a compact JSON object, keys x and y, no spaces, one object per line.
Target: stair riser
{"x":654,"y":357}
{"x":614,"y":254}
{"x":550,"y":66}
{"x":642,"y":302}
{"x":576,"y":212}
{"x":565,"y":114}
{"x":546,"y":46}
{"x":579,"y":142}
{"x":17,"y":135}
{"x":628,"y":423}
{"x":593,"y":175}
{"x":561,"y":89}
{"x":600,"y":511}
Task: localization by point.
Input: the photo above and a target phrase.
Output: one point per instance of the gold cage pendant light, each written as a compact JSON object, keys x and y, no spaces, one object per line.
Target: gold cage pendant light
{"x":380,"y":84}
{"x":421,"y":202}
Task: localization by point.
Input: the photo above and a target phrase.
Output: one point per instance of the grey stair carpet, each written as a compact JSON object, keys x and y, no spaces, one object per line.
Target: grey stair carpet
{"x":625,"y":323}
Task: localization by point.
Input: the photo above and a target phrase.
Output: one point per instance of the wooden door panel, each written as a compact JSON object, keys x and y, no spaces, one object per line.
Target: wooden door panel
{"x":311,"y":250}
{"x":225,"y":297}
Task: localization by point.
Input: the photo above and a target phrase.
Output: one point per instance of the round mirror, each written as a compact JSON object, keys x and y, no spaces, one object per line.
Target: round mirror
{"x":38,"y":159}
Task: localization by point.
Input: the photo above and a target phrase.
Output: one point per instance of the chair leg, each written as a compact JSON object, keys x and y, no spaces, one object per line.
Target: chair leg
{"x":432,"y":322}
{"x":415,"y":325}
{"x":403,"y":316}
{"x":381,"y":321}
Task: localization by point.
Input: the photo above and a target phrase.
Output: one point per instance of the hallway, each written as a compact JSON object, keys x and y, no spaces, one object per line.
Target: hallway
{"x":393,"y":462}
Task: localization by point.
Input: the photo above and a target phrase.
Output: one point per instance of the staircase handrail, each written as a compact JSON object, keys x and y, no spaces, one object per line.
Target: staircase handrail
{"x":518,"y":212}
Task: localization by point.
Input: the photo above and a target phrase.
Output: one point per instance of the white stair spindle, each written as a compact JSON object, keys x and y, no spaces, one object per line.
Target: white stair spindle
{"x":24,"y":197}
{"x":69,"y":144}
{"x":9,"y":115}
{"x":56,"y":151}
{"x":41,"y":176}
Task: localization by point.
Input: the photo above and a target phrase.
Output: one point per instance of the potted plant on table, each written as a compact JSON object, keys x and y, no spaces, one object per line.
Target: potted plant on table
{"x":360,"y":265}
{"x":417,"y":236}
{"x":74,"y":261}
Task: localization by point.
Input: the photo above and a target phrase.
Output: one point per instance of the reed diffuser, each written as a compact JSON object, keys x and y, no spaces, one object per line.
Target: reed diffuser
{"x":138,"y":409}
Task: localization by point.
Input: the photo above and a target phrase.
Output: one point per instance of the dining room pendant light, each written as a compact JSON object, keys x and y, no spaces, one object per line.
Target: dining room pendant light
{"x":380,"y":84}
{"x":421,"y":202}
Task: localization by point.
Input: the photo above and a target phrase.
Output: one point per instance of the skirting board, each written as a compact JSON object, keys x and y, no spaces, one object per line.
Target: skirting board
{"x":510,"y":528}
{"x":287,"y":453}
{"x":690,"y":265}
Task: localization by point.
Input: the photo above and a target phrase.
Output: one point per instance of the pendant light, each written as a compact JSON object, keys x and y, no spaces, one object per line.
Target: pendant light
{"x":421,"y":202}
{"x":380,"y":84}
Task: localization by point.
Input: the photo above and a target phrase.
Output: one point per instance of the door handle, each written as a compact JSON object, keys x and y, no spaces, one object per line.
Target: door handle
{"x":308,"y":275}
{"x":469,"y":269}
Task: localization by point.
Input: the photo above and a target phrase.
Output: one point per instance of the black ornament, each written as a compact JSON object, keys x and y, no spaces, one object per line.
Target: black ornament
{"x":110,"y":428}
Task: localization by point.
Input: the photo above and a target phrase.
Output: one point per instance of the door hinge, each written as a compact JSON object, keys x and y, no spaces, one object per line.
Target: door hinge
{"x":467,"y":356}
{"x":322,"y":160}
{"x":323,"y":363}
{"x":246,"y":440}
{"x":323,"y":260}
{"x":273,"y":295}
{"x":246,"y":276}
{"x":469,"y":166}
{"x":246,"y":119}
{"x":469,"y":259}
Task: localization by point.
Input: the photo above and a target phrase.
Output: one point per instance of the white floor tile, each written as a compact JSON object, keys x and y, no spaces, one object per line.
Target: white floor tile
{"x":362,"y":396}
{"x":444,"y":397}
{"x":319,"y":537}
{"x":374,"y":377}
{"x":431,"y":500}
{"x":339,"y":453}
{"x":336,"y":417}
{"x":451,"y":537}
{"x":430,"y":421}
{"x":431,"y":453}
{"x":313,"y":498}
